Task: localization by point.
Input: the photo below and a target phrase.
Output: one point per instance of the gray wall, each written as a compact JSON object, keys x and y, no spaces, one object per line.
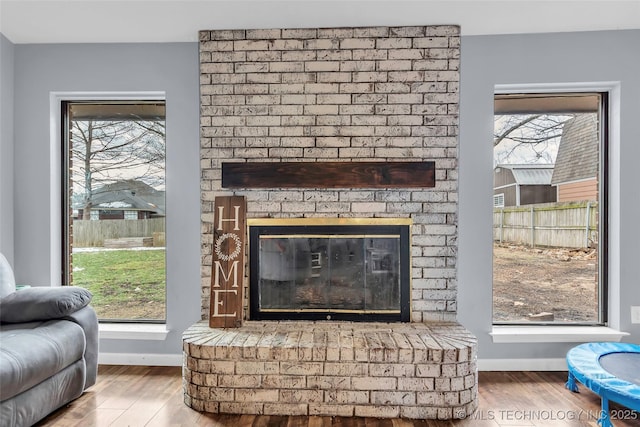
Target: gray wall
{"x":486,"y":61}
{"x":172,"y":68}
{"x":6,"y":147}
{"x":530,"y":59}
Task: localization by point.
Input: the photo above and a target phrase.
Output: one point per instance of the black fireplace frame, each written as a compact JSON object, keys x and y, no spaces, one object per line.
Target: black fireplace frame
{"x":331,"y":226}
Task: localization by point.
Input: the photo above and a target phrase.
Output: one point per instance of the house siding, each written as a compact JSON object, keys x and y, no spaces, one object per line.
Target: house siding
{"x":509,"y":194}
{"x":502,"y":177}
{"x":577,"y":191}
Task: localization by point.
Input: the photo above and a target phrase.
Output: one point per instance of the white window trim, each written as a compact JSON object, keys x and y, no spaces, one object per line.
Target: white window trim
{"x":137,"y":331}
{"x":559,"y":333}
{"x":497,"y":198}
{"x":505,"y":186}
{"x":555,"y":333}
{"x":133,"y":331}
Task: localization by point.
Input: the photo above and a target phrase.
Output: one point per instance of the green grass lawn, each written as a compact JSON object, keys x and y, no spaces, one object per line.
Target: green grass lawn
{"x":126,"y":284}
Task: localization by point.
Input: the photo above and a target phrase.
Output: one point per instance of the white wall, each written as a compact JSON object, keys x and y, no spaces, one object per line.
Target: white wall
{"x":173,"y":68}
{"x":543,"y":59}
{"x":6,"y":147}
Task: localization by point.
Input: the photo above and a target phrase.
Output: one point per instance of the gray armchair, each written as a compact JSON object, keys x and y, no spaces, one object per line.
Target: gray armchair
{"x":48,"y":348}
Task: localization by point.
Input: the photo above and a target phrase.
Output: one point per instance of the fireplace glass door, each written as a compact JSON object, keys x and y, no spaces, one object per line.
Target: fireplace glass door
{"x":325,"y":272}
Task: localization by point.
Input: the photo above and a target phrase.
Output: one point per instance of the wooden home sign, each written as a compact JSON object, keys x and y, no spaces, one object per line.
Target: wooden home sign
{"x":225,"y":304}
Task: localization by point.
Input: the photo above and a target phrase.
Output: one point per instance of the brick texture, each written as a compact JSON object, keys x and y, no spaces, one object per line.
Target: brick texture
{"x":407,"y":370}
{"x":381,"y":93}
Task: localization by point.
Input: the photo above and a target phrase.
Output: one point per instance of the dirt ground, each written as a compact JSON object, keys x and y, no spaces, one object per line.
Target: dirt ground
{"x":528,"y":285}
{"x":150,"y":310}
{"x":544,"y":284}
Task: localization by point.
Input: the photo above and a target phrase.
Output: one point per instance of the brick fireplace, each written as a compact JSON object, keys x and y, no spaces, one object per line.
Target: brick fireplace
{"x":379,"y":94}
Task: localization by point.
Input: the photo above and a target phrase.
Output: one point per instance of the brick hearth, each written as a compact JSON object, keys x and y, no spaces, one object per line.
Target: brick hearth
{"x":410,"y":370}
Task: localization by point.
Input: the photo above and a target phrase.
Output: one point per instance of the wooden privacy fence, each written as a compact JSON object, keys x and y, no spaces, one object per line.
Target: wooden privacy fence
{"x":88,"y":233}
{"x":566,"y":225}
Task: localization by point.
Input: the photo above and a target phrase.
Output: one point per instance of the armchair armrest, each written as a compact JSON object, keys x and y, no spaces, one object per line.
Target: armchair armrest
{"x":35,"y":304}
{"x":88,"y":321}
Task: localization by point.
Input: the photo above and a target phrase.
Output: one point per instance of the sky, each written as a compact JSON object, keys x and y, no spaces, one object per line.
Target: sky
{"x":509,"y":151}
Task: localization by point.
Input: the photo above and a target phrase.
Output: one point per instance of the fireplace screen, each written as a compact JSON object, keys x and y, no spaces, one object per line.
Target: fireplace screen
{"x":346,"y":271}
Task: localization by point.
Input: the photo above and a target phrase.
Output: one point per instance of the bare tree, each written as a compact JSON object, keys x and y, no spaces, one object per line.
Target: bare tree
{"x":107,"y":151}
{"x":537,"y":132}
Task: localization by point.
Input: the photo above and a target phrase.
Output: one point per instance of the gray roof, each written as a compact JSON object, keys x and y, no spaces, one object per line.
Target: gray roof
{"x":130,"y":195}
{"x":578,"y":153}
{"x":531,"y":174}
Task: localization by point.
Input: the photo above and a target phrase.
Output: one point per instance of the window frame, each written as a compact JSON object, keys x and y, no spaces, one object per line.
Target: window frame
{"x":515,"y":331}
{"x":154,"y":329}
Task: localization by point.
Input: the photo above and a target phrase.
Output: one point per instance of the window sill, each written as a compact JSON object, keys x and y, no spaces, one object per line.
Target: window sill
{"x":133,"y":331}
{"x":548,"y":334}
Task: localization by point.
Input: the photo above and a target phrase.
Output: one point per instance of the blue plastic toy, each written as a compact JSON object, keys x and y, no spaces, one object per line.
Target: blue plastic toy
{"x":611,"y":370}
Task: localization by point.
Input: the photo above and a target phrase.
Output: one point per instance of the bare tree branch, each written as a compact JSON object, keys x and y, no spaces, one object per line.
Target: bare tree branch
{"x":107,"y":151}
{"x":505,"y":134}
{"x":534,"y":131}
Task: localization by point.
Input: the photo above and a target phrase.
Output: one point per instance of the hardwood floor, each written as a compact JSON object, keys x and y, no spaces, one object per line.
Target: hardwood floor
{"x":152,"y":396}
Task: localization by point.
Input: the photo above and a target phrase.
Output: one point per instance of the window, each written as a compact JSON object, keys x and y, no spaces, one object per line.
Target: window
{"x":114,"y":215}
{"x":130,"y":214}
{"x":550,"y":240}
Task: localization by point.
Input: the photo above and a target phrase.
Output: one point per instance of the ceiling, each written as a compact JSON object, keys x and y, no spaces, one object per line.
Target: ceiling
{"x":107,"y":21}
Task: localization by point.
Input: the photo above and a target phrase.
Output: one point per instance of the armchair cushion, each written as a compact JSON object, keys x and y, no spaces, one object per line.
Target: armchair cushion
{"x":33,"y":304}
{"x":31,"y":353}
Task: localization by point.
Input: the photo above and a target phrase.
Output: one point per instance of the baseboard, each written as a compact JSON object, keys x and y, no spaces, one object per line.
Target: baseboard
{"x":155,"y":359}
{"x":150,"y":359}
{"x":522,"y":364}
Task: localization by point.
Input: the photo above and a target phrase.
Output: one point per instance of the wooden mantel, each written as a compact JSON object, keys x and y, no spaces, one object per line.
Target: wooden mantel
{"x":328,"y":174}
